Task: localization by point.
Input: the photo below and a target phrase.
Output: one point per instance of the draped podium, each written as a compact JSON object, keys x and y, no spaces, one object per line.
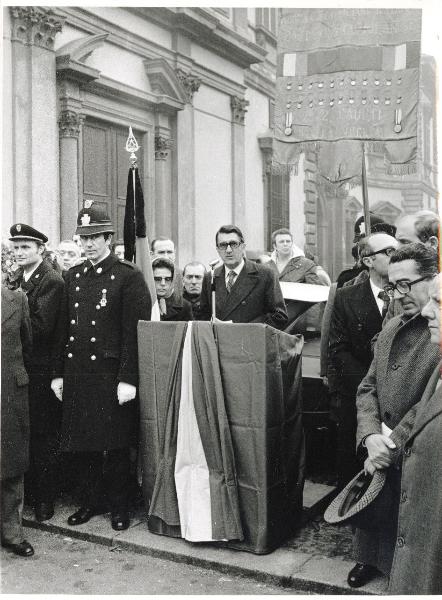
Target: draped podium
{"x":221,"y":440}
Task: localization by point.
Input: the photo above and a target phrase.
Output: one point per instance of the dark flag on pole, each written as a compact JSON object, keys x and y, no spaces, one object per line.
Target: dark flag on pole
{"x":136,"y":244}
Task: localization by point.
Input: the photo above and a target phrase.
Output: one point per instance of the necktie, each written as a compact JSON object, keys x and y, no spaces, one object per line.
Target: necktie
{"x":230,"y":280}
{"x":386,"y":300}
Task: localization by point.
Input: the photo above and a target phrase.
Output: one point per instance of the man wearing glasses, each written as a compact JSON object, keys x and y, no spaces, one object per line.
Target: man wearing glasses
{"x":171,"y":307}
{"x":387,"y":398}
{"x":357,"y":316}
{"x":245,"y":291}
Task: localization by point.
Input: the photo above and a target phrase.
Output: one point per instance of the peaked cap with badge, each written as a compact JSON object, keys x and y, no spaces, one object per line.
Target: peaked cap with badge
{"x":92,"y":220}
{"x":21,"y":231}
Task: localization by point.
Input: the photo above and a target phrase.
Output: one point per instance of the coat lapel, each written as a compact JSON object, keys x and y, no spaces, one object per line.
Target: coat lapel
{"x":242,"y":287}
{"x":36,"y":277}
{"x":431,"y":403}
{"x":10,"y":303}
{"x":368,"y":308}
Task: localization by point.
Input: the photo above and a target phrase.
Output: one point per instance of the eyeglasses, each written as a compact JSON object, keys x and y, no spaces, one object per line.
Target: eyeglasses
{"x":233,"y":245}
{"x":403,"y":287}
{"x":386,"y":251}
{"x":165,"y":279}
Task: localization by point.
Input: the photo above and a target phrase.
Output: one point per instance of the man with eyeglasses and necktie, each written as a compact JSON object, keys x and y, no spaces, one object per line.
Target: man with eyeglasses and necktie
{"x":357,"y":316}
{"x":245,"y":292}
{"x":171,"y":307}
{"x":387,"y":398}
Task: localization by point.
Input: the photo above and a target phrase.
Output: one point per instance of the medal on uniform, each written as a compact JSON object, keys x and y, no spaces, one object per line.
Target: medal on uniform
{"x":103,"y":300}
{"x":397,"y":120}
{"x":288,"y":123}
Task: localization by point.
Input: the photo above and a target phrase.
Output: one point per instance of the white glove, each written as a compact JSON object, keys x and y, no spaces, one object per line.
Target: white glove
{"x":125,"y":392}
{"x":57,"y":387}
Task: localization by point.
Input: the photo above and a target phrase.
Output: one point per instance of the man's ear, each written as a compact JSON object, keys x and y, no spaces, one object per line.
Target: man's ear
{"x":367,"y":261}
{"x":433,"y":242}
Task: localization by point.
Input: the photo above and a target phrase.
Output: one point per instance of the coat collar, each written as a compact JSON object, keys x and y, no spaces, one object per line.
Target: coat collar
{"x":102,"y":267}
{"x":36,"y":277}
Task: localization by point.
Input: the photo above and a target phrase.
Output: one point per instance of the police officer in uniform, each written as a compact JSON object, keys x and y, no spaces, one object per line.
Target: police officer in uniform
{"x":43,"y":287}
{"x":96,"y":368}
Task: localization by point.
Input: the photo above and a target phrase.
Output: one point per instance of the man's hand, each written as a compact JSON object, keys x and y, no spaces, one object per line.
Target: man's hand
{"x":57,"y":387}
{"x":369,"y":467}
{"x":378,"y":447}
{"x":125,"y":392}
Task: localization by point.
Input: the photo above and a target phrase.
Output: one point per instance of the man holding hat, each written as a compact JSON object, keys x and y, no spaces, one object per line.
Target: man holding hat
{"x":43,"y":287}
{"x":96,"y":367}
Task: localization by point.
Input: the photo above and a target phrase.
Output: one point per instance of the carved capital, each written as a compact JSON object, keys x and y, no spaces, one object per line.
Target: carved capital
{"x":239,"y":109}
{"x":191,"y":83}
{"x":35,"y":25}
{"x":162,"y":147}
{"x":70,"y":123}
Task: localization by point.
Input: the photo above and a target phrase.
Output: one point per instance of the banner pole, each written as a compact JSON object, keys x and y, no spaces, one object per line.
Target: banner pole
{"x":365,"y":193}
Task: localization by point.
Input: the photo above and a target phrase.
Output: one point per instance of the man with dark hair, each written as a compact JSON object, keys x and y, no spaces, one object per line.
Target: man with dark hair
{"x":171,"y":307}
{"x":195,"y":278}
{"x":246,"y":292}
{"x":43,"y":287}
{"x":388,"y":395}
{"x":422,"y":226}
{"x":357,"y":316}
{"x":96,"y":368}
{"x":164,"y":247}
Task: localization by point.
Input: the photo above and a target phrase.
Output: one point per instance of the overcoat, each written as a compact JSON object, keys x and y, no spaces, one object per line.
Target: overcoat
{"x":16,"y":354}
{"x":44,"y":291}
{"x":403,"y":362}
{"x":96,"y":349}
{"x":255,"y":297}
{"x":417,"y":562}
{"x":298,"y":270}
{"x":178,"y":309}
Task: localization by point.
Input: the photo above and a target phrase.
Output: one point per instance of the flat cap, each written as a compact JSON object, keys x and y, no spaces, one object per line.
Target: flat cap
{"x":21,"y":231}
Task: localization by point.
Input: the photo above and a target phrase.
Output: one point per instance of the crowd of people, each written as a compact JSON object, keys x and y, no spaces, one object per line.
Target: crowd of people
{"x":70,"y":369}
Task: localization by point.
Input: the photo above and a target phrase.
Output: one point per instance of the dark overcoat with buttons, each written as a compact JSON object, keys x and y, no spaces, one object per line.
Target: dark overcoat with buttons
{"x":97,"y":349}
{"x":255,"y":297}
{"x":44,"y":290}
{"x":404,"y":360}
{"x":16,"y":355}
{"x":417,"y":562}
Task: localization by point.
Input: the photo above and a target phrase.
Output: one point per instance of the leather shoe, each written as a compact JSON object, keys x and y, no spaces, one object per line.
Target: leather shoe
{"x":44,"y":511}
{"x":24,"y":548}
{"x":361,"y":574}
{"x":120,"y":521}
{"x":83,"y":515}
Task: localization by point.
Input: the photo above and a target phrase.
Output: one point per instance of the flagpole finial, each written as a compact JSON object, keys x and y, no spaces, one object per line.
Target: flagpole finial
{"x":132,"y":147}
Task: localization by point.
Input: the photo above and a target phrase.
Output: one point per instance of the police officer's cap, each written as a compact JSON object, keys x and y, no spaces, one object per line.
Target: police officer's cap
{"x":21,"y":231}
{"x":93,"y":219}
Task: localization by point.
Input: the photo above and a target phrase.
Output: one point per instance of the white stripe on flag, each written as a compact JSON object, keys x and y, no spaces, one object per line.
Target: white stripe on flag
{"x":191,"y":471}
{"x":289,"y":65}
{"x":400,"y":57}
{"x":143,"y":261}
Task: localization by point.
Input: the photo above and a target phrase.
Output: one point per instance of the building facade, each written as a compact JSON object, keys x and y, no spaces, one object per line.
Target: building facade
{"x":197,"y":87}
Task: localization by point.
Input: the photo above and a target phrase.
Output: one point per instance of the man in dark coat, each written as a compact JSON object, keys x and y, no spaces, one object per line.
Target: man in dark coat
{"x":356,"y":317}
{"x":172,"y":307}
{"x":246,"y":292}
{"x":43,"y":287}
{"x":387,"y":398}
{"x":195,"y":279}
{"x":16,"y":355}
{"x":96,"y":367}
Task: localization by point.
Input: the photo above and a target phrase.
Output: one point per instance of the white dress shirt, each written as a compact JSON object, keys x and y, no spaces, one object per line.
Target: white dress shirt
{"x":375,"y":289}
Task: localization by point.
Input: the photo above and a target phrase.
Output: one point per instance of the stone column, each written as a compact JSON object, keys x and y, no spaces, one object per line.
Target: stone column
{"x":70,"y":123}
{"x":163,"y":216}
{"x":239,"y":109}
{"x":186,"y":169}
{"x":34,"y":127}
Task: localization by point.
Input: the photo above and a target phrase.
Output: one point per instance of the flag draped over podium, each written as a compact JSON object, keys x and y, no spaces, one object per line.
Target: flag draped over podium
{"x":347,"y":76}
{"x":136,"y":243}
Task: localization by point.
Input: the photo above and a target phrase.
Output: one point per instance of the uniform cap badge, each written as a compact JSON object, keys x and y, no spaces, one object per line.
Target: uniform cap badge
{"x":85,"y":219}
{"x":18,"y":227}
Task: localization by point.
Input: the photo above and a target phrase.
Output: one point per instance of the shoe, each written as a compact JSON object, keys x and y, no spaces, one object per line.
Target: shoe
{"x":83,"y":515}
{"x":44,"y":511}
{"x":24,"y":548}
{"x":361,"y":574}
{"x":120,"y":520}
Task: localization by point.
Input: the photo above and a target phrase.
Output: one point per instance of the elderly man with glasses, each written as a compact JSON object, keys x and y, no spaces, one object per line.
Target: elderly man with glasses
{"x":357,"y":316}
{"x":387,"y":397}
{"x":246,"y":292}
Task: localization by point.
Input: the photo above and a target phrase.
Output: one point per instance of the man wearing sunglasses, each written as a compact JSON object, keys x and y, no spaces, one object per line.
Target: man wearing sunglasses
{"x":246,"y":292}
{"x":357,"y":316}
{"x":172,"y":308}
{"x":403,"y":362}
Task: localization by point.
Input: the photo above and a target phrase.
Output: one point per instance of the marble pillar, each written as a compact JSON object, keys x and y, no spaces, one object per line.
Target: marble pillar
{"x":70,"y":123}
{"x":239,"y":109}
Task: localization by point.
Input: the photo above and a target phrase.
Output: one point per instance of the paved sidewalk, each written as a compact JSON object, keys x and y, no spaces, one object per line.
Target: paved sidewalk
{"x":316,"y":560}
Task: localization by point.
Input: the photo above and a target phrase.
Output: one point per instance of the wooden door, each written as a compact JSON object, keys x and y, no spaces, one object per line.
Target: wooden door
{"x":105,"y":169}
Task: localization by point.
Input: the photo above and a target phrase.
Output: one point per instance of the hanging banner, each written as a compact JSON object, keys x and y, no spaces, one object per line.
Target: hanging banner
{"x":345,"y":76}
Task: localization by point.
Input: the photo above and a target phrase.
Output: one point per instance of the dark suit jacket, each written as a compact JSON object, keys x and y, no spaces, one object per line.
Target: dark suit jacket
{"x":177,"y":310}
{"x":256,"y":297}
{"x":355,"y":320}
